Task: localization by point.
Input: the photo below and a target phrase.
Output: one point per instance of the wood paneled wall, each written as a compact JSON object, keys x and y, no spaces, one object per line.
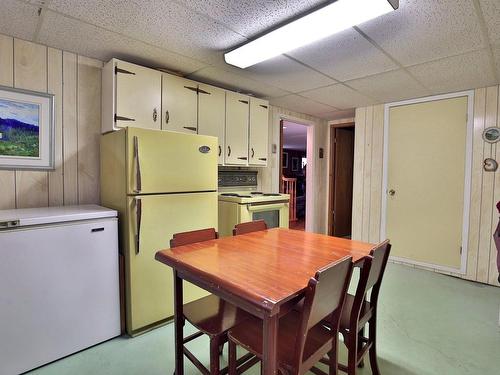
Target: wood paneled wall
{"x":485,"y":186}
{"x":76,"y":83}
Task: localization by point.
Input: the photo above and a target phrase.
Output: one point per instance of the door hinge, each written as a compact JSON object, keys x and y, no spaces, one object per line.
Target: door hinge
{"x":119,"y":70}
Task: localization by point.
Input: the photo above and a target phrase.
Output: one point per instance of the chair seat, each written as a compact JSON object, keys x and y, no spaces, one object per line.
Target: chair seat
{"x":346,"y":312}
{"x":249,"y":336}
{"x":213,"y":316}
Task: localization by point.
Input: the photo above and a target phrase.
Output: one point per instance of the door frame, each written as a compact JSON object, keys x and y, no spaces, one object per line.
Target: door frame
{"x":467,"y":183}
{"x":310,"y":224}
{"x":331,"y":174}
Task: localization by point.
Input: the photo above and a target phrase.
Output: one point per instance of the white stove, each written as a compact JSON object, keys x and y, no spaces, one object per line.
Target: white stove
{"x":239,"y":202}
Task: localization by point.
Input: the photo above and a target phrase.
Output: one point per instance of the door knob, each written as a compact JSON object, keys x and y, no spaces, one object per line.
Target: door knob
{"x":392,"y":192}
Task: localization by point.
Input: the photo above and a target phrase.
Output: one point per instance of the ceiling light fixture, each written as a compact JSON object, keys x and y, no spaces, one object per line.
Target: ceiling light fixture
{"x":319,"y":24}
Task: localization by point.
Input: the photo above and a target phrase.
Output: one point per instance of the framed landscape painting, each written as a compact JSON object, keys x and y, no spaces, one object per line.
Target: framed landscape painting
{"x":26,"y":129}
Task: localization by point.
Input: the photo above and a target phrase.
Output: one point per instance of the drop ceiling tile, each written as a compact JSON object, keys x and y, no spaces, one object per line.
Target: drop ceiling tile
{"x":496,"y":55}
{"x":72,"y":35}
{"x":389,"y":87}
{"x":251,"y":17}
{"x":339,"y":115}
{"x":425,"y":30}
{"x":491,"y":13}
{"x":231,"y":80}
{"x":339,"y":96}
{"x":450,"y":74}
{"x":301,"y":104}
{"x":344,"y":56}
{"x":18,"y":19}
{"x":287,"y":74}
{"x":165,"y":24}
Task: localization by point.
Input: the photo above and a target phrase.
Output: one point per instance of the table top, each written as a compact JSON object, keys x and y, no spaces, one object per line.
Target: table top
{"x":266,"y":268}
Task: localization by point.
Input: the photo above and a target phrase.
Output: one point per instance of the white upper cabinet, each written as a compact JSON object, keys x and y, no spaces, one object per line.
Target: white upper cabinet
{"x":211,"y":114}
{"x":179,"y":104}
{"x":237,"y":112}
{"x":259,"y":124}
{"x":131,"y":96}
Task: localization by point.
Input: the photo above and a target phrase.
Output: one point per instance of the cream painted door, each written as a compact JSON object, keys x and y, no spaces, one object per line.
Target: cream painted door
{"x":179,"y":104}
{"x":138,"y":96}
{"x":153,"y":219}
{"x":170,"y":162}
{"x":259,"y":128}
{"x":426,"y":181}
{"x":212,"y":115}
{"x":237,"y":113}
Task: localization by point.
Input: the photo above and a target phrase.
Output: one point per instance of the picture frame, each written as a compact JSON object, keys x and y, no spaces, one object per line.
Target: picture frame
{"x":27,"y":129}
{"x":285,"y":160}
{"x":295,"y":164}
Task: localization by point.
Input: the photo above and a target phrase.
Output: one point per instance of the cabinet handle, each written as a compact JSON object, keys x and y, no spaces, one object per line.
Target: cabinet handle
{"x":263,"y":106}
{"x":167,"y":117}
{"x":220,"y":150}
{"x":263,"y":159}
{"x":121,"y":118}
{"x":200,"y":91}
{"x":138,"y":217}
{"x":155,"y":114}
{"x":243,"y":101}
{"x":138,"y":186}
{"x":253,"y":152}
{"x":228,"y":150}
{"x":195,"y":89}
{"x":190,"y":128}
{"x":242,"y":158}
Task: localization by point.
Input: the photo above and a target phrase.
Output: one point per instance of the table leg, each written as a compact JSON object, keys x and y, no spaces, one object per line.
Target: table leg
{"x":270,"y":345}
{"x":179,"y":325}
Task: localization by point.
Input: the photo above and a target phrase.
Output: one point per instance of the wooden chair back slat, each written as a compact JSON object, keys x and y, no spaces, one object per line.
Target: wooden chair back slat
{"x":251,"y":226}
{"x":186,"y":238}
{"x":324,"y":299}
{"x":289,"y":186}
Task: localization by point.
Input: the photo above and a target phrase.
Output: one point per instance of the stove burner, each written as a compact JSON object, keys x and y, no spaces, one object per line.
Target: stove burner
{"x":272,"y":195}
{"x":245,"y":196}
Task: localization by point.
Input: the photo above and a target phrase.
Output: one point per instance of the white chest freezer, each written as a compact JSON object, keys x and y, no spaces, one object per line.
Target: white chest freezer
{"x":59,"y":283}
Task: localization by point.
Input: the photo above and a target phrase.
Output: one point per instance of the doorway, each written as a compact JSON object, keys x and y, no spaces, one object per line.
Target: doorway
{"x":293,"y":171}
{"x":341,"y":180}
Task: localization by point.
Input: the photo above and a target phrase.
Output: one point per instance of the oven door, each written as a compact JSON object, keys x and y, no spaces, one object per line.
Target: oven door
{"x":274,"y":214}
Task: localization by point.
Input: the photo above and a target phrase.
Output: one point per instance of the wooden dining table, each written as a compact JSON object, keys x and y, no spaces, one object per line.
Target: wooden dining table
{"x":258,"y":272}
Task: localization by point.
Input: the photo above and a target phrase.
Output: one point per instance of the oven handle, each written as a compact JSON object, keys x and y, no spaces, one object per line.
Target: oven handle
{"x":265,"y":207}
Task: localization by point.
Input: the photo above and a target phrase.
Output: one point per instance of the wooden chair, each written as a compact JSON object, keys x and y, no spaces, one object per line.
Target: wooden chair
{"x":358,"y":311}
{"x":302,"y":338}
{"x":251,"y":226}
{"x":211,"y":315}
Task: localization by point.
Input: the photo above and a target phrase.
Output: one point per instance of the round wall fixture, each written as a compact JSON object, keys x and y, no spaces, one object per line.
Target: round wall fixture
{"x":491,"y":134}
{"x":490,"y":165}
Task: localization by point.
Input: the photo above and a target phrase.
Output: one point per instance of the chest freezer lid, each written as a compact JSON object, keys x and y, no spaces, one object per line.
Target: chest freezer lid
{"x":47,"y":215}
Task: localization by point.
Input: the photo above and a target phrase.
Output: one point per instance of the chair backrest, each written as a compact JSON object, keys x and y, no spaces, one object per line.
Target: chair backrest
{"x":324,"y":298}
{"x":371,"y":275}
{"x":251,"y":226}
{"x":186,"y":238}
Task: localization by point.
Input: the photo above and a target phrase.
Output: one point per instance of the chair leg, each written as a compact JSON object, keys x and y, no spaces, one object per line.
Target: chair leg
{"x":214,"y":356}
{"x":352,"y":352}
{"x":333,"y":357}
{"x":361,"y":335}
{"x":372,"y":334}
{"x":232,"y":358}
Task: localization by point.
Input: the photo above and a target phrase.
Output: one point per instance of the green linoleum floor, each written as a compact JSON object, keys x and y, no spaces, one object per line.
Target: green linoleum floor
{"x":429,"y":324}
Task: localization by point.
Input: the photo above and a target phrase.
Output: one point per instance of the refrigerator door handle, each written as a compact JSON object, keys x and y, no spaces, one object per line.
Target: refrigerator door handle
{"x":138,"y":187}
{"x":138,"y":213}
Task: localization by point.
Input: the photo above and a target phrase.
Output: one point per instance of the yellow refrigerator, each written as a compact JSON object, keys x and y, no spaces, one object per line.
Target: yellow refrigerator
{"x":160,"y":183}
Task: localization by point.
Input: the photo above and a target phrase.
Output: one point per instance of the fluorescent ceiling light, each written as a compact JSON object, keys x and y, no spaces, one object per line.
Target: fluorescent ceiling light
{"x":319,"y":24}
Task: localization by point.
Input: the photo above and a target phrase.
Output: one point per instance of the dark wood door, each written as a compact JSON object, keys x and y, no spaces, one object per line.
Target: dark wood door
{"x":343,"y":162}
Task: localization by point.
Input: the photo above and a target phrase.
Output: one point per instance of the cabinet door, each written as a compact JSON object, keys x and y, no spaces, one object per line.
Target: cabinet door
{"x":138,"y":96}
{"x":211,"y":115}
{"x":259,"y":124}
{"x":237,"y":107}
{"x":179,"y":104}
